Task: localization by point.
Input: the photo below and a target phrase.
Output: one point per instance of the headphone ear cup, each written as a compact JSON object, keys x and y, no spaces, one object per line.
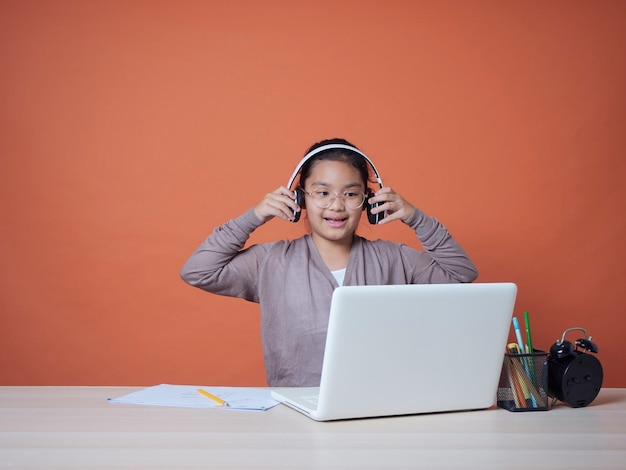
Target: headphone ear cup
{"x":299,"y":199}
{"x":372,"y":218}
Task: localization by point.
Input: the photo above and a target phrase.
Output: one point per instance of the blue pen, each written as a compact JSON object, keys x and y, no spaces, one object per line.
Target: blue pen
{"x":518,"y":334}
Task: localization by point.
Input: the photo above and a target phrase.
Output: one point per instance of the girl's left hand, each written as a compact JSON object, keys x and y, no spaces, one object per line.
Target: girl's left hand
{"x":396,"y":207}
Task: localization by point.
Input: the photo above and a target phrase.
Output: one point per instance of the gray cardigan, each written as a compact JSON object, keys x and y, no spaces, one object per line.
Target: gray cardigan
{"x":294,"y":287}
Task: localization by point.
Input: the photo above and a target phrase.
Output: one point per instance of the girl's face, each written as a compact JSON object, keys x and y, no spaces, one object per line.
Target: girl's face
{"x":336,"y":223}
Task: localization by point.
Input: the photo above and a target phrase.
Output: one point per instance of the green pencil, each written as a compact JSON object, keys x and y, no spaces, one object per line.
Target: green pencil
{"x":529,"y":341}
{"x":529,"y":345}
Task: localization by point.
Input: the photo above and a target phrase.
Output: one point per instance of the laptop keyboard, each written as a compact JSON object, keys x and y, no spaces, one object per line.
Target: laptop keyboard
{"x":310,"y":398}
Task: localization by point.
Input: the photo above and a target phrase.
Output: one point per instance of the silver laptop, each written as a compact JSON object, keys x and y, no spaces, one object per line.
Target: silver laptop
{"x":409,"y":349}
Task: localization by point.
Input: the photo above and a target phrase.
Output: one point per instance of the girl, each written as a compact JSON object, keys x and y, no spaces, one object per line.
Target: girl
{"x":293,"y":280}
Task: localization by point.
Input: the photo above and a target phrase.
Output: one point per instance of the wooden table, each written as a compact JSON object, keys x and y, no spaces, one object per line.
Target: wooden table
{"x":76,"y":427}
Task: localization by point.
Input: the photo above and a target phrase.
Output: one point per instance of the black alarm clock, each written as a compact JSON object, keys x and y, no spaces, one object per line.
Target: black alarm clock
{"x":574,"y":376}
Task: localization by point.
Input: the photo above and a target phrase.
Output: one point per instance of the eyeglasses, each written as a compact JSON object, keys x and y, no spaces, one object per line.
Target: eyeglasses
{"x":324,"y":199}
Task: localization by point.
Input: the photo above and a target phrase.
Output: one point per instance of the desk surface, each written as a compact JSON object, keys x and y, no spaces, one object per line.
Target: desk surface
{"x":76,"y":427}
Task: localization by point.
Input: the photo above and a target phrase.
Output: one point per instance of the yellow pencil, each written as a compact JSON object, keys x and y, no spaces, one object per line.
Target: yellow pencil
{"x":212,"y":397}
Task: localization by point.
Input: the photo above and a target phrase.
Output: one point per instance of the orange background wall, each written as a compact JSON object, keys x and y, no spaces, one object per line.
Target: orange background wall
{"x":129,"y":129}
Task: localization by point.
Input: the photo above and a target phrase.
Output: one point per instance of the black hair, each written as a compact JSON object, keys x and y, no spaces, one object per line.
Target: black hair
{"x":354,"y":159}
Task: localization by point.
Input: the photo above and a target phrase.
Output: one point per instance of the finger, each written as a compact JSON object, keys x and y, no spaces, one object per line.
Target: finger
{"x":282,"y":190}
{"x":283,"y":207}
{"x":282,"y":211}
{"x":389,"y":217}
{"x":385,"y":193}
{"x":386,"y":201}
{"x":279,"y":203}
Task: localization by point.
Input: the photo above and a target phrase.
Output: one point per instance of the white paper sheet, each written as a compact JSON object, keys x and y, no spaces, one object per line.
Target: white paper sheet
{"x":187,"y":396}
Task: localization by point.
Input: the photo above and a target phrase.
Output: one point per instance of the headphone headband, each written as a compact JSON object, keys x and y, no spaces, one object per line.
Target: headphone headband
{"x":323,"y":148}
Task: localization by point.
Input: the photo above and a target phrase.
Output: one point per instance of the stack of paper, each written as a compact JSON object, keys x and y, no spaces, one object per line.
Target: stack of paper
{"x":188,"y":396}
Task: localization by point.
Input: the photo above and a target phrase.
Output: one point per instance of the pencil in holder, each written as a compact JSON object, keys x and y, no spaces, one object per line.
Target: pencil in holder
{"x":524,"y":382}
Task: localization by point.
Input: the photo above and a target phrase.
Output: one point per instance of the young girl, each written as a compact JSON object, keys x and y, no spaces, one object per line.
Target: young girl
{"x":293,"y":280}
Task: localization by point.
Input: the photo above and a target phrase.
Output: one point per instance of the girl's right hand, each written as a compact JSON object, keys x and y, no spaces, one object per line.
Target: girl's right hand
{"x":279,"y":203}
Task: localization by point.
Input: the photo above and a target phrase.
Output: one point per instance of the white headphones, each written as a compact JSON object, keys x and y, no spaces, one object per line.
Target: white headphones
{"x":373,"y":218}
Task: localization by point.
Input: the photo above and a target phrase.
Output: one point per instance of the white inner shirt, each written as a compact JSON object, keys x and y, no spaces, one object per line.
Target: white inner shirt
{"x":339,"y":275}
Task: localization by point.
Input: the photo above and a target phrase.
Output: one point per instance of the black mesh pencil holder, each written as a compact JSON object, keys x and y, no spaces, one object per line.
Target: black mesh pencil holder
{"x":524,"y":382}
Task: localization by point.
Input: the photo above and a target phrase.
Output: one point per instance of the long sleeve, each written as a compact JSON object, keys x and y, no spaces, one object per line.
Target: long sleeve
{"x":454,"y":265}
{"x":221,"y":265}
{"x":385,"y":262}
